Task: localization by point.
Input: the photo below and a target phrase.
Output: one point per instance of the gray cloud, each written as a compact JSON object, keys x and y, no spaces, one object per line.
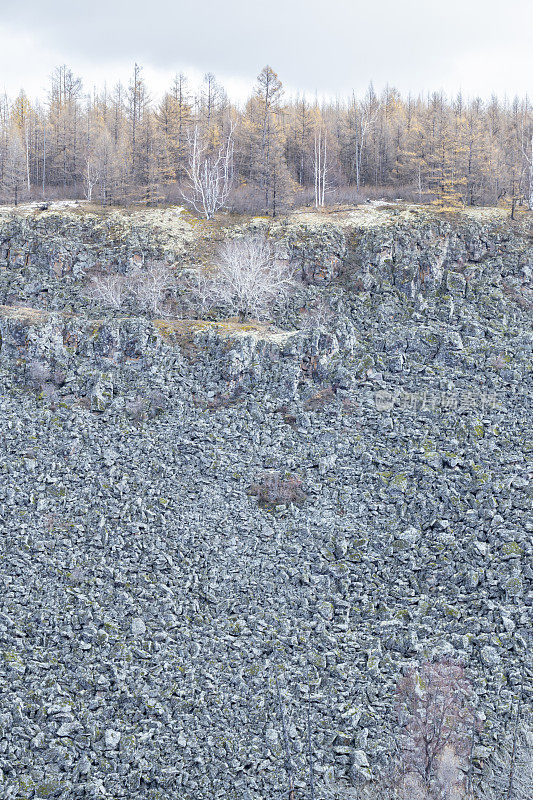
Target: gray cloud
{"x":328,"y":45}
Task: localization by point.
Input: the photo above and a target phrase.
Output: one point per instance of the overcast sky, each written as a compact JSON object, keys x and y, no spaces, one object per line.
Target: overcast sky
{"x":328,"y":46}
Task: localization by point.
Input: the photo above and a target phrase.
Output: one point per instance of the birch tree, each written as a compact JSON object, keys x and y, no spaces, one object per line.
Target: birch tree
{"x":320,"y":166}
{"x":209,"y":174}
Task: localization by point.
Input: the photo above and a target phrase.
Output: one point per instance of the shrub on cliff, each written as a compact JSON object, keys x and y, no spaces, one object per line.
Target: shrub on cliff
{"x":251,"y":275}
{"x":108,"y":289}
{"x":149,"y":286}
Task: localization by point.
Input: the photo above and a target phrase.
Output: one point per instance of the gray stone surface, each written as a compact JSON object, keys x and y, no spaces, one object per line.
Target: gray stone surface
{"x":148,"y":599}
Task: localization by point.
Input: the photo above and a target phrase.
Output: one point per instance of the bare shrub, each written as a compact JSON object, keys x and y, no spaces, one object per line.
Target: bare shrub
{"x":157,"y":402}
{"x":498,"y":361}
{"x":109,"y":289}
{"x":150,"y":285}
{"x":142,"y":408}
{"x":58,"y":377}
{"x":322,"y":398}
{"x":49,"y":393}
{"x":252,"y":274}
{"x":275,"y":488}
{"x":316,"y":315}
{"x":437,"y":722}
{"x":225,"y":399}
{"x":38,"y":373}
{"x":288,"y":417}
{"x":136,"y":409}
{"x":246,"y":199}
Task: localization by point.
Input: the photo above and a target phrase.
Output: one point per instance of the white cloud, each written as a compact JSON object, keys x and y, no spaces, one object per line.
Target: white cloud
{"x":479,"y":46}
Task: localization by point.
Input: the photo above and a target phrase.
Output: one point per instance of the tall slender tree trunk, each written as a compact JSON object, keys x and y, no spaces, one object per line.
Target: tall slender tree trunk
{"x":44,"y":157}
{"x":530,"y":203}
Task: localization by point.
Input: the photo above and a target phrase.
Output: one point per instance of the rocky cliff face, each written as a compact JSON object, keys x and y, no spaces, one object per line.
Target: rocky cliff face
{"x":149,"y":598}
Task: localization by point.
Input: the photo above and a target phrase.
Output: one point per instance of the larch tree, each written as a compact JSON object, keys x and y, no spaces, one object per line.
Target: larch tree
{"x":137,"y":106}
{"x":212,"y":102}
{"x":300,"y":141}
{"x":173,"y":120}
{"x":22,"y":118}
{"x":270,"y":167}
{"x":65,"y":125}
{"x":421,"y":148}
{"x":14,"y":170}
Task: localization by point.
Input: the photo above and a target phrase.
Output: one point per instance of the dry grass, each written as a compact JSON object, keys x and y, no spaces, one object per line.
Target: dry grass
{"x":320,"y":399}
{"x":25,"y":315}
{"x":173,"y":329}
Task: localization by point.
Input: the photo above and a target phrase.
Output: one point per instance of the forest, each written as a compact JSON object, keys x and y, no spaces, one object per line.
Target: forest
{"x":276,"y":151}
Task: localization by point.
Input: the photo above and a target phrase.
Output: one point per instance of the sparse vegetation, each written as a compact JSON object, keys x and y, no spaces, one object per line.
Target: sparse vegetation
{"x":276,"y":488}
{"x":320,"y":399}
{"x":437,"y":721}
{"x":108,"y":289}
{"x":148,"y":286}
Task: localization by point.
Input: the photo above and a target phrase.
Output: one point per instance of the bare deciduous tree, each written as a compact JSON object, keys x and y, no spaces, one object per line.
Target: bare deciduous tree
{"x":251,"y":274}
{"x":210,"y":174}
{"x":92,"y":176}
{"x":149,"y":285}
{"x":436,"y":718}
{"x":14,"y":170}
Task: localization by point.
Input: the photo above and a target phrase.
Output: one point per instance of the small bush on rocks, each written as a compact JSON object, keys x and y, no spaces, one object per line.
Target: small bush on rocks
{"x":149,"y":286}
{"x":437,"y":721}
{"x":38,"y":373}
{"x":140,"y":409}
{"x":109,"y":289}
{"x":275,"y":488}
{"x":320,"y":399}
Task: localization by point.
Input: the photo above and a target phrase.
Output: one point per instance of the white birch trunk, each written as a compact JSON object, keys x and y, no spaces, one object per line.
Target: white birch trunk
{"x":530,"y":199}
{"x":210,"y":175}
{"x":320,"y":168}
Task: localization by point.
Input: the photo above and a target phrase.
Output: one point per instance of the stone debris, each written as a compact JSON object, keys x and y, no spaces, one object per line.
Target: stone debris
{"x":149,"y":600}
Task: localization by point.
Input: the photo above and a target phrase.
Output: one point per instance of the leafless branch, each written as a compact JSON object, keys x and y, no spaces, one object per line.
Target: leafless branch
{"x":150,"y":285}
{"x":251,"y":275}
{"x":108,"y":289}
{"x":210,"y":174}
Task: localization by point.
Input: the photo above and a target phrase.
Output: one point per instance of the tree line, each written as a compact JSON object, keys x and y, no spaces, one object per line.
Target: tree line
{"x":277,"y":151}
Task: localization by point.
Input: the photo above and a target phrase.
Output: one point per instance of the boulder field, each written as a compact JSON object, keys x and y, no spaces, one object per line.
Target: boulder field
{"x":153,"y":609}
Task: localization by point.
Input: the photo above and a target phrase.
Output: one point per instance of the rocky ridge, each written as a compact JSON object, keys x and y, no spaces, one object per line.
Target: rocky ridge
{"x":148,"y":598}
